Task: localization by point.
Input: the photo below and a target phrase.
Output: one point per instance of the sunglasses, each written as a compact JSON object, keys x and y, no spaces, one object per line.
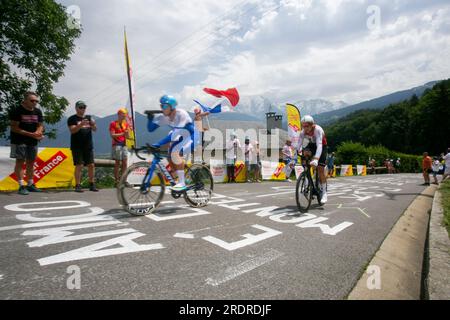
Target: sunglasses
{"x":164,"y":106}
{"x":34,"y":101}
{"x":82,"y":107}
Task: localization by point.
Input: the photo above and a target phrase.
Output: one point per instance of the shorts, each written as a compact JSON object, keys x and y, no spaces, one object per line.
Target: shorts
{"x":323,"y":157}
{"x":119,"y":152}
{"x":23,"y":152}
{"x":429,"y":171}
{"x":82,"y":156}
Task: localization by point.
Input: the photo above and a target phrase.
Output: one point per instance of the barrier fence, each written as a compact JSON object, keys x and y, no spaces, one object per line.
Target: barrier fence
{"x":54,"y":169}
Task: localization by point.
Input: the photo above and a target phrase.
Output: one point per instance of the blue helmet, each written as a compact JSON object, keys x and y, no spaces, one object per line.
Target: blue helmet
{"x":170,"y":100}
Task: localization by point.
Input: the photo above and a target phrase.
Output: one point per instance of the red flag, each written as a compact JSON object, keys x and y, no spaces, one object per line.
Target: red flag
{"x":231,"y":94}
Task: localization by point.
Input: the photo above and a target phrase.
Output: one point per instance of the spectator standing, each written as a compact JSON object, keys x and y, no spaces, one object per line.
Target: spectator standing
{"x":26,"y":131}
{"x":120,"y":132}
{"x":231,"y":155}
{"x":397,"y":165}
{"x":426,"y":168}
{"x":248,"y":156}
{"x":288,"y":158}
{"x":330,"y":164}
{"x":81,"y":144}
{"x":198,"y":122}
{"x":435,"y":168}
{"x":372,"y":164}
{"x":447,"y":165}
{"x":257,"y":166}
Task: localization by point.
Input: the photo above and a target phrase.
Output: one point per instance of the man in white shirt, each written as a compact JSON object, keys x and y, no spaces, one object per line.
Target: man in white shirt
{"x":248,"y":154}
{"x":231,"y":154}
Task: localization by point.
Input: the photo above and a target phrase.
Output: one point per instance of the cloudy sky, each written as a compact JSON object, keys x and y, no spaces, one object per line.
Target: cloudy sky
{"x":285,"y":50}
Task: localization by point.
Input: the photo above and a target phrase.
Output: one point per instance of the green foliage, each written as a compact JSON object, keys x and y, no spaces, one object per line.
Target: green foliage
{"x":36,"y":40}
{"x":357,"y":154}
{"x":445,"y":191}
{"x":410,"y":127}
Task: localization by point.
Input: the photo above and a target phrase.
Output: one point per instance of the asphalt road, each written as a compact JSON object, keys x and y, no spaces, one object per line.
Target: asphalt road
{"x":249,"y":243}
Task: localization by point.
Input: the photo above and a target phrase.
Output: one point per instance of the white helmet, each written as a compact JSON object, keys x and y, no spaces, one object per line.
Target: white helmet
{"x":308,"y":119}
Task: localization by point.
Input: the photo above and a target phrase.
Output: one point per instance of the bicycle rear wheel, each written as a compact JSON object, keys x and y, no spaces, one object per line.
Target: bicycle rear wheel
{"x":131,"y":195}
{"x":303,"y":192}
{"x":200,"y":186}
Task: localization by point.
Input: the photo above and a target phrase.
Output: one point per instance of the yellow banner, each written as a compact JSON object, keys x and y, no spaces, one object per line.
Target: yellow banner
{"x":346,"y":170}
{"x":53,"y":168}
{"x":293,"y":121}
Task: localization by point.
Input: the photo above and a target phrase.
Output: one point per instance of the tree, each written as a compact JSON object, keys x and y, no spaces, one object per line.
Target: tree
{"x":36,"y":39}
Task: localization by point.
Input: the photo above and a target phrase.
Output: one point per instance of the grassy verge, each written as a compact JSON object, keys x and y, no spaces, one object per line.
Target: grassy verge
{"x":445,"y":190}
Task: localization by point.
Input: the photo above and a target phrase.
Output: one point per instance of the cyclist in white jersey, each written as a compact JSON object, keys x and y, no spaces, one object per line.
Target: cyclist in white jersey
{"x":313,"y":139}
{"x":180,"y":138}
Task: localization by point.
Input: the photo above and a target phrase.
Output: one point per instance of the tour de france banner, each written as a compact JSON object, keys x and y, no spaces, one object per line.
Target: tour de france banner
{"x":53,"y":168}
{"x":346,"y":170}
{"x":219,"y":171}
{"x":272,"y":170}
{"x":362,"y":170}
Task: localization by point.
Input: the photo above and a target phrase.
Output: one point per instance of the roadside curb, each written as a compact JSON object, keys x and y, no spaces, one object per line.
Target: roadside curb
{"x":399,"y":260}
{"x":439,"y":253}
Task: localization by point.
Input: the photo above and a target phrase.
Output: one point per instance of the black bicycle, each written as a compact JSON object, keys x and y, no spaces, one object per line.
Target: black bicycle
{"x":142,"y":186}
{"x":307,"y":185}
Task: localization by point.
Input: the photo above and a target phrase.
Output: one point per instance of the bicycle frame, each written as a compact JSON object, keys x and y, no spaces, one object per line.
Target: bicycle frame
{"x":156,"y":163}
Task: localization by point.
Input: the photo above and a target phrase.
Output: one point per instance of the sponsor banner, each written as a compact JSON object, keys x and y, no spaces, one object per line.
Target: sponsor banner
{"x":53,"y":168}
{"x":362,"y":170}
{"x":272,"y":170}
{"x":218,"y":170}
{"x":346,"y":170}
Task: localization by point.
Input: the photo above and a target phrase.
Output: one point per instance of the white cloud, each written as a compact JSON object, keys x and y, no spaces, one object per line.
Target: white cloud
{"x":294,"y":48}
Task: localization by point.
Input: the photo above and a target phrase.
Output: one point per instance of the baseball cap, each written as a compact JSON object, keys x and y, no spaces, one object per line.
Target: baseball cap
{"x":122,"y":110}
{"x":80,"y":103}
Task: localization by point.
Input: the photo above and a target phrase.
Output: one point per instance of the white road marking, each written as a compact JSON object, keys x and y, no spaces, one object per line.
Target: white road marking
{"x":244,"y":267}
{"x":184,"y":235}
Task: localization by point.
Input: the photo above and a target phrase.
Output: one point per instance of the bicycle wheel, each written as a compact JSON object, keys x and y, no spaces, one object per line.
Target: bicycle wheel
{"x":303,"y":192}
{"x":136,"y":201}
{"x":200,"y":186}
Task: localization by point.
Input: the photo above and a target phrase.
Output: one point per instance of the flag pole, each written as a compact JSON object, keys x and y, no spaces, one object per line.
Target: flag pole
{"x":130,"y":89}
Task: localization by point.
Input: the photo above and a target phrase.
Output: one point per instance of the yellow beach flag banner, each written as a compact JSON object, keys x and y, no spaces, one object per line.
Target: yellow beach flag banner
{"x":294,"y":125}
{"x":131,"y":141}
{"x":362,"y":170}
{"x":53,"y":168}
{"x":346,"y":170}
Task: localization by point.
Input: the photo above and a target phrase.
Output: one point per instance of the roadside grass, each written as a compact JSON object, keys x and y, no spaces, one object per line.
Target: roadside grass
{"x":445,"y":190}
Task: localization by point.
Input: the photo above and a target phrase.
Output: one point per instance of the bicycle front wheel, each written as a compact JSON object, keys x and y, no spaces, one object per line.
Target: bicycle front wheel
{"x":303,"y":192}
{"x":135,"y":198}
{"x":200,"y":185}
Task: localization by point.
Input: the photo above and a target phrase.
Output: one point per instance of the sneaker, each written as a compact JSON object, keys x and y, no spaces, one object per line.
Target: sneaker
{"x":23,"y":191}
{"x":324,"y":198}
{"x":33,"y":188}
{"x":179,"y":187}
{"x":92,"y":187}
{"x":78,"y":188}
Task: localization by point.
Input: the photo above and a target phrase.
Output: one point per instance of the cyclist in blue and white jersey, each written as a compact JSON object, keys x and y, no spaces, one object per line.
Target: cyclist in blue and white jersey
{"x":181,"y":136}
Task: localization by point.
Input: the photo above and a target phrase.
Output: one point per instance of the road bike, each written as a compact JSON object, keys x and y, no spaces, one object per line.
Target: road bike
{"x":142,"y":186}
{"x":307,"y":188}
